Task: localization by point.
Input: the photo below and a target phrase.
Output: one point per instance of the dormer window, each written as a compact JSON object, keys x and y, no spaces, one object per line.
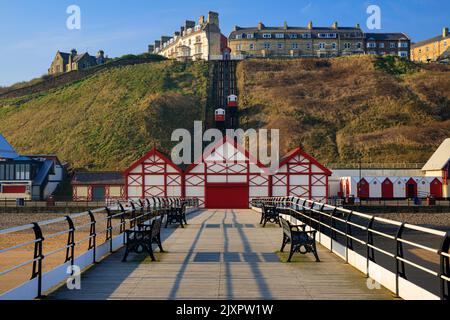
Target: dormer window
{"x":279,"y":35}
{"x":239,"y":36}
{"x":250,"y":36}
{"x":293,"y":36}
{"x":267,"y":35}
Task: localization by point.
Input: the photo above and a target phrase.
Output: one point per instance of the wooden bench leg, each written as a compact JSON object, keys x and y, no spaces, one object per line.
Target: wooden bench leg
{"x":127,"y":251}
{"x":314,"y":250}
{"x":285,"y":242}
{"x":159,"y":243}
{"x":149,"y":249}
{"x":291,"y":253}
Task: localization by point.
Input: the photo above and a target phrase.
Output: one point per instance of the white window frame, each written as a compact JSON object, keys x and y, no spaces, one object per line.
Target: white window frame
{"x":293,"y":36}
{"x":322,"y":45}
{"x":267,"y":36}
{"x":279,"y":46}
{"x":279,"y":35}
{"x":250,"y":36}
{"x":295,"y":46}
{"x":266,"y":45}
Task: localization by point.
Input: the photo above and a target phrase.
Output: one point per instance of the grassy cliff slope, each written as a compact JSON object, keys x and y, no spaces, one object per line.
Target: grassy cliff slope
{"x":109,"y":120}
{"x":382,"y":109}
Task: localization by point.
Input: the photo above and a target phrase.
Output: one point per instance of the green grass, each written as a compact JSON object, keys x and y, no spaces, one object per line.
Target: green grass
{"x":109,"y":120}
{"x":383,"y":109}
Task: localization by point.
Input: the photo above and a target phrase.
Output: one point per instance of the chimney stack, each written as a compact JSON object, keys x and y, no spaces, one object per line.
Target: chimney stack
{"x":213,"y":18}
{"x":261,"y":26}
{"x":285,"y":25}
{"x":358,"y":26}
{"x":445,"y":32}
{"x":201,"y":20}
{"x":335,"y":25}
{"x":310,"y":25}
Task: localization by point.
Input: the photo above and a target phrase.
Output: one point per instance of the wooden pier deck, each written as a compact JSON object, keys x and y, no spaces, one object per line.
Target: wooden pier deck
{"x":222,"y":254}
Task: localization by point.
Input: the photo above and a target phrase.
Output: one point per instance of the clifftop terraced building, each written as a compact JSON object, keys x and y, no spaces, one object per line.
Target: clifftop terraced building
{"x":194,"y":41}
{"x":66,"y":62}
{"x":310,"y":41}
{"x":434,"y":49}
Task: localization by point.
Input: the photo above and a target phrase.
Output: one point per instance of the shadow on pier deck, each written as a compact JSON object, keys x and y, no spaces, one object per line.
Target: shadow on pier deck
{"x":223,"y":254}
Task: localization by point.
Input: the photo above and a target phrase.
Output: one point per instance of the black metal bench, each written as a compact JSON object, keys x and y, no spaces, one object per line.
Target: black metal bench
{"x":298,"y":238}
{"x":269,"y":214}
{"x":143,"y":238}
{"x":176,"y":215}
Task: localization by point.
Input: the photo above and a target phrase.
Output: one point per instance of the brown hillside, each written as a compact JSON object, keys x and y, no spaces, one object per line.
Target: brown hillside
{"x":386,"y":110}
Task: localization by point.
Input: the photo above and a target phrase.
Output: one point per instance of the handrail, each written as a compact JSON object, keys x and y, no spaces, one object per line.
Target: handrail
{"x":141,"y":210}
{"x":301,"y":207}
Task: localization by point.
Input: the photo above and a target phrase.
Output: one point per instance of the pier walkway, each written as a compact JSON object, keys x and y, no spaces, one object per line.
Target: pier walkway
{"x":223,"y":254}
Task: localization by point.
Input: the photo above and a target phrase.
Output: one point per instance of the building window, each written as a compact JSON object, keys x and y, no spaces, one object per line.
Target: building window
{"x":347,"y":45}
{"x":250,"y":36}
{"x":266,"y":45}
{"x":359,"y":45}
{"x":334,"y":45}
{"x":295,"y":46}
{"x":322,"y":35}
{"x":322,"y":45}
{"x":381,"y":45}
{"x":279,"y":35}
{"x":403,"y":45}
{"x":251,"y":46}
{"x":308,"y":46}
{"x":371,"y":45}
{"x":403,"y":54}
{"x":392,"y":45}
{"x":280,"y":46}
{"x":239,"y":47}
{"x":267,"y":35}
{"x":293,"y":36}
{"x":239,"y":36}
{"x":445,"y":43}
{"x":306,"y":35}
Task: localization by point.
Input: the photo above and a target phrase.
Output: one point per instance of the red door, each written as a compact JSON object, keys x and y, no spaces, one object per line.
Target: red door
{"x":436,"y":188}
{"x":14,"y":189}
{"x":411,"y":188}
{"x":387,"y":189}
{"x":363,"y":189}
{"x":227,"y":196}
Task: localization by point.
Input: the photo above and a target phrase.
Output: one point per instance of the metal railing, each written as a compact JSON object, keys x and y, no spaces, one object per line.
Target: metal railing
{"x":386,"y":166}
{"x":132,"y":213}
{"x":338,"y":227}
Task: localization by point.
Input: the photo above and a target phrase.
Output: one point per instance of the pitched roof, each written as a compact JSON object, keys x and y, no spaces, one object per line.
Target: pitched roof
{"x":431,"y":40}
{"x":291,"y":29}
{"x":99,"y":178}
{"x":302,"y":153}
{"x":6,"y":150}
{"x":440,"y":158}
{"x":387,"y":36}
{"x":151,"y":153}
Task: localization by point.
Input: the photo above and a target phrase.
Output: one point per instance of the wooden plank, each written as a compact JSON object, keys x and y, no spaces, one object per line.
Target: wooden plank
{"x":245,"y":270}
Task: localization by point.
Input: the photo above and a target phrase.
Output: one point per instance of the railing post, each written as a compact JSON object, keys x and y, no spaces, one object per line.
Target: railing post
{"x":320,"y":223}
{"x":38,"y":257}
{"x":348,"y":240}
{"x":133,"y":214}
{"x":70,"y":250}
{"x":445,"y":268}
{"x":370,"y":252}
{"x":109,"y":229}
{"x":399,"y":265}
{"x":332,"y":225}
{"x":92,"y":237}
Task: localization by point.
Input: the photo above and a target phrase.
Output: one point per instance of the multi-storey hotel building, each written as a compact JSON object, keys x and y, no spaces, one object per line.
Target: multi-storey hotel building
{"x":194,"y":41}
{"x":310,"y":41}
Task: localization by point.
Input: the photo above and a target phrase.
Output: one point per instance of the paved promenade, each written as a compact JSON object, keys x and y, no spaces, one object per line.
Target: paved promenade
{"x":222,"y":254}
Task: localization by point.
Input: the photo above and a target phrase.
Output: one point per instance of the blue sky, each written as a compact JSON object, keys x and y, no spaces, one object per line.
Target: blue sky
{"x":32,"y":31}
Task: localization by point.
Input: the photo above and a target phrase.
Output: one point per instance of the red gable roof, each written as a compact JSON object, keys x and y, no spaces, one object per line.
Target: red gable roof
{"x":299,"y":151}
{"x":153,"y":152}
{"x":226,"y":139}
